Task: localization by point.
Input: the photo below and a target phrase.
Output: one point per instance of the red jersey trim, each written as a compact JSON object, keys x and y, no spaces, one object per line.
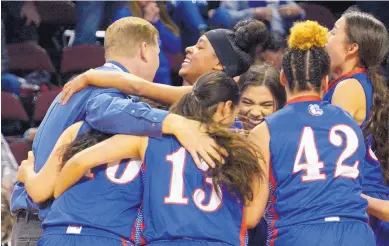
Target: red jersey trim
{"x":243,"y":229}
{"x":304,"y":99}
{"x":355,"y":71}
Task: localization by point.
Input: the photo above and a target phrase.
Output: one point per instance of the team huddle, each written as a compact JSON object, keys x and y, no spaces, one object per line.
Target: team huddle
{"x":108,"y":169}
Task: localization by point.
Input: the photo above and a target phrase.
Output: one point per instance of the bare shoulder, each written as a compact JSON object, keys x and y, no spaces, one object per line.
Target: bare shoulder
{"x":350,"y":87}
{"x":260,"y":133}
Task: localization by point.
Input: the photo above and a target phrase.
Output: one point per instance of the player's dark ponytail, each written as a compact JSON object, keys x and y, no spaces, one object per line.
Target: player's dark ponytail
{"x":378,"y":124}
{"x":373,"y":42}
{"x":241,"y":166}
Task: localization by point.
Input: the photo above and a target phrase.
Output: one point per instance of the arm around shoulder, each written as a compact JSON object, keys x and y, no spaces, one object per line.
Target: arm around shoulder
{"x":131,"y":84}
{"x":40,"y":186}
{"x":111,"y":113}
{"x":112,"y":149}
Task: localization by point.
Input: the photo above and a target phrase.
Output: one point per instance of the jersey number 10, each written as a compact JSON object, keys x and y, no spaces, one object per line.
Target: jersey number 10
{"x":313,"y":165}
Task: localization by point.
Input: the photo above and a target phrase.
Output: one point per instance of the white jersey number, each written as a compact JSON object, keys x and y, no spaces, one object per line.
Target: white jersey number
{"x":130,"y":172}
{"x":312,"y":165}
{"x":176,"y":191}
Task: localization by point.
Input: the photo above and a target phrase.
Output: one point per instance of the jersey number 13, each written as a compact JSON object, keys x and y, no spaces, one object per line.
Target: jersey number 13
{"x":176,"y":191}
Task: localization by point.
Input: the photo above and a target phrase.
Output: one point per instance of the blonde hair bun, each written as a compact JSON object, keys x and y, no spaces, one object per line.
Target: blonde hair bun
{"x":307,"y":34}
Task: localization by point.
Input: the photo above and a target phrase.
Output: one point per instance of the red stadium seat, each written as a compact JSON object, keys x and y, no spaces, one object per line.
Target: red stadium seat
{"x":29,"y":57}
{"x":43,"y":103}
{"x":319,"y":13}
{"x":57,"y":12}
{"x":20,"y":148}
{"x":12,"y":108}
{"x":81,"y":58}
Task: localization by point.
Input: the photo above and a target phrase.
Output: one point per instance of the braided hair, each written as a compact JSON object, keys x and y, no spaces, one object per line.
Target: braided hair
{"x":306,"y":61}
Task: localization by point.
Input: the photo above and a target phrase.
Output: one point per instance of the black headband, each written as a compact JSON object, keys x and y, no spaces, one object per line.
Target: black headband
{"x":225,"y":52}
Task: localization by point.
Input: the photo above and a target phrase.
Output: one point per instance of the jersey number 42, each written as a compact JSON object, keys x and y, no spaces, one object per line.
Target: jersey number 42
{"x":313,"y":165}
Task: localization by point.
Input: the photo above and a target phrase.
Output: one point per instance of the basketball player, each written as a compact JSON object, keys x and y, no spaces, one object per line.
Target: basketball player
{"x":231,"y":51}
{"x":101,"y":209}
{"x":179,"y":199}
{"x":357,"y":45}
{"x":261,"y":95}
{"x":315,"y":153}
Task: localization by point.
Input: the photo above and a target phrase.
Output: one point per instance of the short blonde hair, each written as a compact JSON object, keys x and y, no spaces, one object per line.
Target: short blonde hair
{"x":125,"y":36}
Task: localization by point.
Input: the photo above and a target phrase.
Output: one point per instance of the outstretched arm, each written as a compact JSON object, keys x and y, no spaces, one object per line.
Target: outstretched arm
{"x":377,"y":207}
{"x":115,"y":148}
{"x":254,"y":211}
{"x":126,"y":83}
{"x":40,"y":186}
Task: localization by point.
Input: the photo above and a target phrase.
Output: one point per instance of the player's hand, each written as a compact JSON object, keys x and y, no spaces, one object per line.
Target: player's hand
{"x":198,"y":143}
{"x":76,"y":84}
{"x":26,"y":167}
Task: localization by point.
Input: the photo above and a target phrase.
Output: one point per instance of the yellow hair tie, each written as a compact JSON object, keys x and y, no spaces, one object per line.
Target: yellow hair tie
{"x":307,"y":34}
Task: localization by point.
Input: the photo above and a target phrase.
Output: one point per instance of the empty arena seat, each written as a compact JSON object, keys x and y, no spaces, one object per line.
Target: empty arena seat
{"x":12,"y":108}
{"x":29,"y":57}
{"x":14,"y":119}
{"x":20,"y":148}
{"x":81,"y":58}
{"x":57,"y":12}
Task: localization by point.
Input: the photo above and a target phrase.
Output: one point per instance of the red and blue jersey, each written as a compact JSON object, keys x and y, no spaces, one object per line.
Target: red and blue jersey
{"x":316,"y":167}
{"x":373,"y":181}
{"x":181,"y":204}
{"x":109,"y":201}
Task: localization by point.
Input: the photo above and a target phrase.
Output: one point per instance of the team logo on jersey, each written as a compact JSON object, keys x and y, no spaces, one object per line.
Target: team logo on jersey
{"x":315,"y":110}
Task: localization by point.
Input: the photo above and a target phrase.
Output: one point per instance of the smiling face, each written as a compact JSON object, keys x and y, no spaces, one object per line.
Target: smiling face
{"x":200,"y":59}
{"x":256,"y":102}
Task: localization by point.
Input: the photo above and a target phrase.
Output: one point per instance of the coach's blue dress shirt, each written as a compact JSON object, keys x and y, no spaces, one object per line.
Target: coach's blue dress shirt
{"x":107,"y":110}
